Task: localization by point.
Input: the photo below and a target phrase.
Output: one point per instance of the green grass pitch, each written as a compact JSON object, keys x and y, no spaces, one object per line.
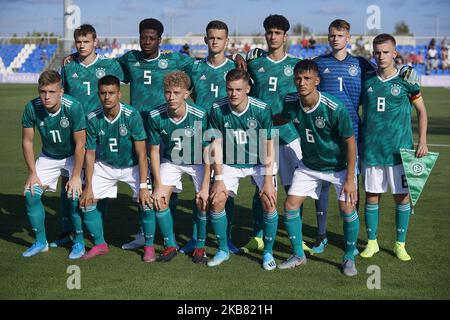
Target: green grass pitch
{"x":122,"y":275}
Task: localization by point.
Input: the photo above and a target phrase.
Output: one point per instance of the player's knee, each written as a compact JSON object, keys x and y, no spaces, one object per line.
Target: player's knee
{"x":346,"y":208}
{"x":401,"y":198}
{"x":289,"y":204}
{"x":267,"y":206}
{"x":217,"y":203}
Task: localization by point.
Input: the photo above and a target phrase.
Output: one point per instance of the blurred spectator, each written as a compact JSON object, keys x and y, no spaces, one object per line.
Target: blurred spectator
{"x":432,"y":57}
{"x":247,"y":47}
{"x":304,"y":43}
{"x":233,"y":48}
{"x":445,"y":58}
{"x":399,"y":61}
{"x":105,"y":44}
{"x":42,"y":44}
{"x":444,"y":43}
{"x":360,"y":43}
{"x":419,"y":57}
{"x":312,"y":42}
{"x":412,"y":58}
{"x":185,"y":50}
{"x":44,"y":56}
{"x":115,"y":44}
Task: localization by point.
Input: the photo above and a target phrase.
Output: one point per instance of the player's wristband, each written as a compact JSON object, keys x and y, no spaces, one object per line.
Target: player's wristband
{"x":143,"y":185}
{"x":218,"y":177}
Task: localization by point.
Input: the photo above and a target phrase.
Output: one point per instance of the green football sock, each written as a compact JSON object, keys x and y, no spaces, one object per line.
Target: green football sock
{"x":270,"y":230}
{"x":201,"y":229}
{"x":219,"y":224}
{"x":371,"y":216}
{"x":258,"y":215}
{"x":194,"y":219}
{"x":165,"y":224}
{"x":229,"y":209}
{"x":36,"y":213}
{"x":94,"y":224}
{"x":351,"y":229}
{"x":77,"y":222}
{"x":173,"y":203}
{"x":65,"y":207}
{"x":293,"y":223}
{"x":148,"y":222}
{"x":402,"y":215}
{"x":102,"y":207}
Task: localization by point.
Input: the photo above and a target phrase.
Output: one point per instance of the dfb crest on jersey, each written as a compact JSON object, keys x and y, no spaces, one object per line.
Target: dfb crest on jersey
{"x":252,"y":123}
{"x":189,"y":132}
{"x":123,"y":131}
{"x":100,"y":72}
{"x":395,"y":89}
{"x":288,"y":70}
{"x":417,"y":167}
{"x":64,"y":122}
{"x":163,"y":64}
{"x":353,"y":70}
{"x":319,"y":122}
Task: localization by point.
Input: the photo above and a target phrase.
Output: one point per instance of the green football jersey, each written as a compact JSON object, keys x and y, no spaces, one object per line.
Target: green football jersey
{"x":272,"y":81}
{"x":146,"y":76}
{"x":242,"y":133}
{"x":322,"y":130}
{"x":81,"y":81}
{"x":209,"y":82}
{"x":56,"y":129}
{"x":181,"y":142}
{"x":386,"y":123}
{"x":114,"y":140}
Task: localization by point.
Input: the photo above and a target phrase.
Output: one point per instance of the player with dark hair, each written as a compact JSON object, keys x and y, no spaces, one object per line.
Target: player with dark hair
{"x":329,"y":155}
{"x":115,"y":151}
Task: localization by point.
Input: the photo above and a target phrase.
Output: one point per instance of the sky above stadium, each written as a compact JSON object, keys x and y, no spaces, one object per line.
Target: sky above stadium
{"x":182,"y":17}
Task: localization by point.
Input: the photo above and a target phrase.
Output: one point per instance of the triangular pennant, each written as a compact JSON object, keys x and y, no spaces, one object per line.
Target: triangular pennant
{"x":417,"y":171}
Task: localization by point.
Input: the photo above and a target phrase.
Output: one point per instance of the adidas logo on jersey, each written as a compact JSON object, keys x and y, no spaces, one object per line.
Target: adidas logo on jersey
{"x":327,"y":70}
{"x":137,"y":64}
{"x":203,"y":77}
{"x":41,"y":124}
{"x":101,"y":133}
{"x":227,"y":125}
{"x":75,"y":75}
{"x":164,"y":131}
{"x":261,"y":69}
{"x":370,"y":89}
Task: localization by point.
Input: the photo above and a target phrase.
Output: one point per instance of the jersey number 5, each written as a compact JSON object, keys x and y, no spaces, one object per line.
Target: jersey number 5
{"x":147,"y":77}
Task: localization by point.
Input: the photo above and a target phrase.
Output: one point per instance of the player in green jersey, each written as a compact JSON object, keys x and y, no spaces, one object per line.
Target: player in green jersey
{"x":61,"y":123}
{"x":243,"y":128}
{"x":175,"y":132}
{"x":329,"y":155}
{"x":272,"y":76}
{"x":115,"y":151}
{"x":145,"y":70}
{"x":79,"y":78}
{"x":386,"y":127}
{"x":208,"y":84}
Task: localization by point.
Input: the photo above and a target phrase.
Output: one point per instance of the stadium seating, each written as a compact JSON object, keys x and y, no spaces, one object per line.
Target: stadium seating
{"x":32,"y":58}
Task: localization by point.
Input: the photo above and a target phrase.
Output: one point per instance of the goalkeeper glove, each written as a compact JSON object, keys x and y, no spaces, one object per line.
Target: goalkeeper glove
{"x":409,"y":74}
